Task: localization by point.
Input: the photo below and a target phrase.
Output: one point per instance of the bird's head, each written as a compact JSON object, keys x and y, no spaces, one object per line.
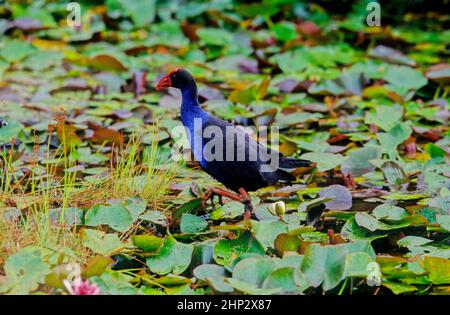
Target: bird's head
{"x":178,"y":78}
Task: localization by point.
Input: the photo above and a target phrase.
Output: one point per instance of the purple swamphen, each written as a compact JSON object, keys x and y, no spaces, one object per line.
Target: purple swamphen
{"x":236,"y":160}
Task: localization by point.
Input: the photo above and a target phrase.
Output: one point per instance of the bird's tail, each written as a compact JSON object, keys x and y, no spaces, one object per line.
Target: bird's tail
{"x":284,"y":176}
{"x":293,"y":163}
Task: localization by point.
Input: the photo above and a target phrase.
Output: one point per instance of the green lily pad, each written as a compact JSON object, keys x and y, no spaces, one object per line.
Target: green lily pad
{"x":172,"y":257}
{"x":116,"y":215}
{"x":389,"y":212}
{"x":192,"y":224}
{"x":226,"y":251}
{"x":100,"y":242}
{"x":413,"y":241}
{"x":147,"y":242}
{"x":24,"y":271}
{"x":326,"y":264}
{"x":405,"y":77}
{"x":267,"y":231}
{"x":325,"y":161}
{"x":444,"y":221}
{"x":358,"y":161}
{"x":15,"y":50}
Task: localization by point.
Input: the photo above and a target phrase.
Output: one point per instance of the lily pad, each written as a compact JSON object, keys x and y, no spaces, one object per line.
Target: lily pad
{"x":172,"y":257}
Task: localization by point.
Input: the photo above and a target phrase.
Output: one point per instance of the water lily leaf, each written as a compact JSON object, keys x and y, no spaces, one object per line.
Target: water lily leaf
{"x":172,"y":257}
{"x":114,"y":283}
{"x":297,"y":118}
{"x":372,"y":224}
{"x":405,"y":78}
{"x":394,"y":174}
{"x":147,"y":242}
{"x":106,"y":62}
{"x":404,"y":196}
{"x":398,"y":288}
{"x":192,"y":224}
{"x":348,"y":83}
{"x":444,"y":221}
{"x":38,"y":15}
{"x":267,"y":231}
{"x":391,"y":55}
{"x":342,"y":197}
{"x":253,"y":270}
{"x":438,"y":269}
{"x":357,"y":264}
{"x":24,"y":271}
{"x":215,"y":36}
{"x":326,"y":264}
{"x":413,"y":241}
{"x":316,"y":237}
{"x":439,"y":72}
{"x":141,"y":12}
{"x":115,"y":215}
{"x":226,"y":251}
{"x":203,"y":253}
{"x":250,"y":288}
{"x":353,"y":231}
{"x":214,"y":275}
{"x":358,"y":161}
{"x":173,"y":280}
{"x":68,"y":216}
{"x":324,"y":56}
{"x":310,"y":204}
{"x":100,"y":242}
{"x":3,"y":66}
{"x":15,"y":50}
{"x":136,"y":206}
{"x":285,"y":31}
{"x":10,"y":131}
{"x":286,"y":243}
{"x":42,"y":59}
{"x":283,"y":279}
{"x":97,"y":266}
{"x":155,"y":217}
{"x":229,"y":210}
{"x":188,"y":207}
{"x":389,"y":212}
{"x":369,"y":222}
{"x":325,"y":161}
{"x":436,"y":153}
{"x":209,"y":270}
{"x":396,"y":135}
{"x":385,"y":117}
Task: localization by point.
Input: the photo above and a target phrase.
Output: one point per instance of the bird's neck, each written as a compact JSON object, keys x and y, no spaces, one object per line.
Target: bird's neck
{"x":190,"y":108}
{"x":193,"y":117}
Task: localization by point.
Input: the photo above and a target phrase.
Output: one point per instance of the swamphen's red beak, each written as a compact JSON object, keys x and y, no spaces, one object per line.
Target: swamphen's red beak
{"x":164,"y":83}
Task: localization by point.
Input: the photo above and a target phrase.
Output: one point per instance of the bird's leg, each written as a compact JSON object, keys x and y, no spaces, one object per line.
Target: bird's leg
{"x":221,"y":193}
{"x":248,"y":210}
{"x":208,"y":195}
{"x":242,"y":197}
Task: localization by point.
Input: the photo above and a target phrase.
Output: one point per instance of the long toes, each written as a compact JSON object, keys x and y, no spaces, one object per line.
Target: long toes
{"x":247,"y":202}
{"x":249,"y":210}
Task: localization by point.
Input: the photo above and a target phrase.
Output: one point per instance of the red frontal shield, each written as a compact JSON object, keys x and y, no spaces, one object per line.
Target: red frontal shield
{"x":164,"y":83}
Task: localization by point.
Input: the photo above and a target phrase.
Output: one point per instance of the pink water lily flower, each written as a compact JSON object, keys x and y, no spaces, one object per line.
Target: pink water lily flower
{"x":80,"y":287}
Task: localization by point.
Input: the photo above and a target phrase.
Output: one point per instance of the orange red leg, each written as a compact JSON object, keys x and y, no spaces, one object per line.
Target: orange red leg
{"x":242,"y":197}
